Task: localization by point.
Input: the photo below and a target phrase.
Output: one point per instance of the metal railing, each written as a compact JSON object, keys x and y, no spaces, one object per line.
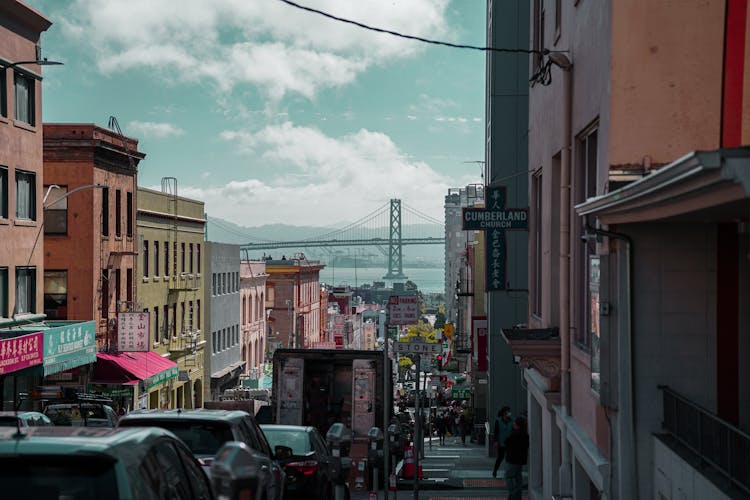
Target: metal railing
{"x":715,"y":441}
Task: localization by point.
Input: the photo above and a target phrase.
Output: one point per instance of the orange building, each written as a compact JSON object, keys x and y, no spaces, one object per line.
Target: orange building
{"x":21,"y":194}
{"x":90,"y":241}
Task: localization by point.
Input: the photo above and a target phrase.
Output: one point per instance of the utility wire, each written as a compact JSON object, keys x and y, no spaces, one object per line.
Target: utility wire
{"x":412,"y":37}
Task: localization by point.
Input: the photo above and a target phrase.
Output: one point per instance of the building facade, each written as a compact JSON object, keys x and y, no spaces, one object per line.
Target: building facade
{"x":638,"y":238}
{"x":255,"y":350}
{"x":21,"y":173}
{"x":293,"y":294}
{"x":223,"y":335}
{"x":171,"y":288}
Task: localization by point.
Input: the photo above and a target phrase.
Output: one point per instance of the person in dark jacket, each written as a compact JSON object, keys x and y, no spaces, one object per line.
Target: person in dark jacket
{"x":516,"y":455}
{"x":502,"y":429}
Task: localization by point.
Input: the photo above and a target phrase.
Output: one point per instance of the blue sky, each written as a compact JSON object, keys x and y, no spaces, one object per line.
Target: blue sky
{"x":275,"y":115}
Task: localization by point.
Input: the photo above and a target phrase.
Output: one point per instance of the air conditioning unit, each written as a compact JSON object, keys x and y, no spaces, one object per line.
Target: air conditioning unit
{"x":165,"y":340}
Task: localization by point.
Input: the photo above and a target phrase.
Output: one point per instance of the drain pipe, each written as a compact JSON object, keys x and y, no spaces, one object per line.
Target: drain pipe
{"x":562,"y":61}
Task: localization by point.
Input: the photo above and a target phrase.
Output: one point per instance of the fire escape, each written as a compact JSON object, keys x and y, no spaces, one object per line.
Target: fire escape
{"x":181,"y":284}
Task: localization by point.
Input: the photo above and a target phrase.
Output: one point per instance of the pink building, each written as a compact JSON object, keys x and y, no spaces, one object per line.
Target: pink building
{"x":253,"y":316}
{"x":638,"y":271}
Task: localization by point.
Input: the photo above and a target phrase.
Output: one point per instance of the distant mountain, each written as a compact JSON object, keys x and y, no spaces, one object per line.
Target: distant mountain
{"x":223,"y":231}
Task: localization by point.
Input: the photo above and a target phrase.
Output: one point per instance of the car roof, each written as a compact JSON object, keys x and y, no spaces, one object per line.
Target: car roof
{"x":183,"y":414}
{"x":79,"y":440}
{"x":21,"y":414}
{"x":281,"y":427}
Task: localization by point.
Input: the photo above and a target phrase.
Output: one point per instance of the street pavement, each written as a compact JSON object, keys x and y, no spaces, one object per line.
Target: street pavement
{"x":451,"y":471}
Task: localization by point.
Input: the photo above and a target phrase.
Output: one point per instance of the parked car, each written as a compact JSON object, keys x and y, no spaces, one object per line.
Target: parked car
{"x":89,"y":464}
{"x":24,"y":419}
{"x":308,"y":467}
{"x":205,"y":431}
{"x":81,"y":414}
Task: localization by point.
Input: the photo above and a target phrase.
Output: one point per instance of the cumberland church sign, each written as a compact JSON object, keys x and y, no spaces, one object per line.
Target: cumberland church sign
{"x":495,"y":219}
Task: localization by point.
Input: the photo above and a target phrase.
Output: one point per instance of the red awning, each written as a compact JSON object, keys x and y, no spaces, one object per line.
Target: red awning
{"x":128,"y":367}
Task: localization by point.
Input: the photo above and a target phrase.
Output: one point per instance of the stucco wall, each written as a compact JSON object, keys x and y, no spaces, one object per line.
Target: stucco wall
{"x":666,"y":86}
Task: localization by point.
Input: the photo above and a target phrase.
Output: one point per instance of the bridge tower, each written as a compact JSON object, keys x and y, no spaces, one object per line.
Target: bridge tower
{"x":395,"y":263}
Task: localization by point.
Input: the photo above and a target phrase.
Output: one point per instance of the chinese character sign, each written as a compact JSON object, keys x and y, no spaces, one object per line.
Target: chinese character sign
{"x":21,"y":352}
{"x":133,"y":331}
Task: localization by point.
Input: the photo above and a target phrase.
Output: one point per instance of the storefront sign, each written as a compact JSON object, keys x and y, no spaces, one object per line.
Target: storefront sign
{"x":495,"y":219}
{"x":112,"y":391}
{"x":133,"y":331}
{"x":68,"y":346}
{"x":21,"y":352}
{"x":161,"y":377}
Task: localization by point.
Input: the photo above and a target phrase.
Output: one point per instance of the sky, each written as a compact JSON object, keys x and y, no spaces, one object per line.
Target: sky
{"x":272,"y":114}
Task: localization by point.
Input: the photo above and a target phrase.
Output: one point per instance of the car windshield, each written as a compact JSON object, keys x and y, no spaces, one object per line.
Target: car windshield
{"x":203,"y":438}
{"x":76,"y":415}
{"x":57,"y":478}
{"x":297,"y":440}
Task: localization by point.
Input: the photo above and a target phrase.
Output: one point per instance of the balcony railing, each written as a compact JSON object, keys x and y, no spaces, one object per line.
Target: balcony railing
{"x":715,"y":441}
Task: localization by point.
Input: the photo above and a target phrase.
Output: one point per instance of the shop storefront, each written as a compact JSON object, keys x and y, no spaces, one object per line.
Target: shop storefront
{"x":143,"y":379}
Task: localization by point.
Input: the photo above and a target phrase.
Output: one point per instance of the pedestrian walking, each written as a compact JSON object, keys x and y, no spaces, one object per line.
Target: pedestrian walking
{"x":462,"y":427}
{"x":516,"y":455}
{"x":503,"y":428}
{"x":441,"y":428}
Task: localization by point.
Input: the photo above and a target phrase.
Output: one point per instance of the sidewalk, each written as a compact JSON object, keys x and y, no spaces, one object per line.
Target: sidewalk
{"x":452,"y":470}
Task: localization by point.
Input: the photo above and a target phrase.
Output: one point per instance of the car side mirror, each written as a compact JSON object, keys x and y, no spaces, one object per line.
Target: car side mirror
{"x":282,"y":452}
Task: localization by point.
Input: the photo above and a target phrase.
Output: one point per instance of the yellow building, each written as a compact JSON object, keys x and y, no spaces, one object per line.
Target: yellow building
{"x":170,"y":288}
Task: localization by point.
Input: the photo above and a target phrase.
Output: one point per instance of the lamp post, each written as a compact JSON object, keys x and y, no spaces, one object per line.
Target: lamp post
{"x":40,"y":62}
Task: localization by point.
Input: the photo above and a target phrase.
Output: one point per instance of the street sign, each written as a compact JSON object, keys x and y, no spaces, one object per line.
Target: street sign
{"x":403,"y":309}
{"x":417,"y":347}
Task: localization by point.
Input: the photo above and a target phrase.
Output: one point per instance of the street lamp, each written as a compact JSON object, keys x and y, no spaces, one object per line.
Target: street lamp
{"x":41,"y":226}
{"x":40,"y":62}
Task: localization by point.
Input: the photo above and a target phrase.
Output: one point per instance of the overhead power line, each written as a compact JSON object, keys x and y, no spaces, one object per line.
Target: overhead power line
{"x":412,"y":37}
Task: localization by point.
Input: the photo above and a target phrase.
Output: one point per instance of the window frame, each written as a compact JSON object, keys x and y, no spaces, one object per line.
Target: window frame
{"x":51,"y":273}
{"x":145,"y":251}
{"x":4,"y":291}
{"x":4,"y":173}
{"x":105,"y":212}
{"x":3,"y":94}
{"x":129,"y":215}
{"x":30,"y":105}
{"x":57,"y":205}
{"x":31,"y":292}
{"x":20,"y":174}
{"x":118,"y":213}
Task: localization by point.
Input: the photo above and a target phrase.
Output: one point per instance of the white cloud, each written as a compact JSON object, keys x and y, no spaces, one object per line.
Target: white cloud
{"x":265,"y":43}
{"x":316,"y":177}
{"x":145,"y":130}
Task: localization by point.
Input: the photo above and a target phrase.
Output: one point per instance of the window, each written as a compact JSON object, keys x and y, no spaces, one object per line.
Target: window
{"x":3,"y":292}
{"x":105,"y":294}
{"x":25,"y":195}
{"x":182,"y":257}
{"x":24,"y":99}
{"x":56,"y":211}
{"x":166,"y":258}
{"x":198,"y":258}
{"x":213,"y":284}
{"x":145,"y":259}
{"x":537,"y":197}
{"x":3,"y":192}
{"x":105,"y":211}
{"x":56,"y":294}
{"x":156,"y":324}
{"x":165,"y":329}
{"x":213,"y":342}
{"x":593,"y":319}
{"x":129,"y":215}
{"x":156,"y":258}
{"x":182,"y":317}
{"x":198,"y":314}
{"x":174,"y":320}
{"x":25,"y":290}
{"x":558,"y":19}
{"x":3,"y":97}
{"x":129,"y":285}
{"x":118,"y":213}
{"x":586,"y":187}
{"x":118,"y":296}
{"x":190,"y":270}
{"x":538,"y":40}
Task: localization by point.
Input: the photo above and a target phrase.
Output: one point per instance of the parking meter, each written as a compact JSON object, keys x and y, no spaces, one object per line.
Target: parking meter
{"x":375,"y":450}
{"x":339,"y":440}
{"x":234,"y":472}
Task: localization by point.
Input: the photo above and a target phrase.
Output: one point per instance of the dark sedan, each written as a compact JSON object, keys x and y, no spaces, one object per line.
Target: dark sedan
{"x":308,"y":468}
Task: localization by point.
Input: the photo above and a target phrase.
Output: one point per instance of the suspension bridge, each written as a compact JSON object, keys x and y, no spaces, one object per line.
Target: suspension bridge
{"x":388,"y":228}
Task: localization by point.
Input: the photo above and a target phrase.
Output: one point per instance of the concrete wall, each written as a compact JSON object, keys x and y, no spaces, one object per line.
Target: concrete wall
{"x":676,"y":479}
{"x":674,"y":325}
{"x":223,"y":322}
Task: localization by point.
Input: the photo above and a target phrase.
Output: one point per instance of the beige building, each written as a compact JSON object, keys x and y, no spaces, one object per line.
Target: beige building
{"x":171,"y":289}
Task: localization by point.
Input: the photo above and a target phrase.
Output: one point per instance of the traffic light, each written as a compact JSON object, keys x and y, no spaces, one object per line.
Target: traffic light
{"x":439,"y":361}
